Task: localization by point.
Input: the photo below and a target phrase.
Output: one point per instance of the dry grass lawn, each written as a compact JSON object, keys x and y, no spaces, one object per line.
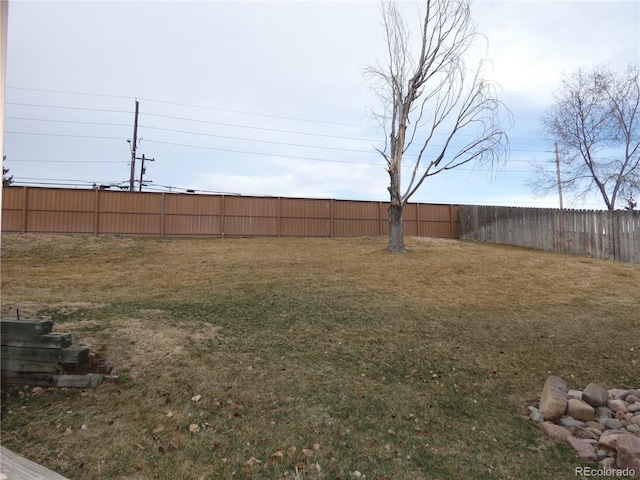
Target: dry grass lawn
{"x":314,"y":358}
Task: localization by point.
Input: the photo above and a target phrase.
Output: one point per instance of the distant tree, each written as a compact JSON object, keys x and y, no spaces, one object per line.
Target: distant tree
{"x":631,"y":203}
{"x":426,"y":90}
{"x":596,"y":123}
{"x":6,"y":180}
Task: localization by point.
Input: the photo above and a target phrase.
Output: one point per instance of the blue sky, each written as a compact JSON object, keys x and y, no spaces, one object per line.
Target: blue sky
{"x":269,"y":98}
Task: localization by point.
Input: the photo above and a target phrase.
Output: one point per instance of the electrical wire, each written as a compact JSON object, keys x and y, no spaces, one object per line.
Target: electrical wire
{"x":69,"y":108}
{"x":65,"y":135}
{"x":130,"y":125}
{"x":21,"y":160}
{"x":209,"y":122}
{"x":69,"y":93}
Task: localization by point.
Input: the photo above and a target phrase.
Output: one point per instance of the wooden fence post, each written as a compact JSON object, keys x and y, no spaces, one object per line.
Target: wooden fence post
{"x":24,"y":208}
{"x":162,"y":212}
{"x":451,"y":221}
{"x":222,"y":212}
{"x":96,"y":207}
{"x":278,"y":218}
{"x":331,"y":219}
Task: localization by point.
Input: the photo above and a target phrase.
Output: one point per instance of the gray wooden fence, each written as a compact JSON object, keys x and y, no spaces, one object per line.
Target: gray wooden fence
{"x":599,"y":234}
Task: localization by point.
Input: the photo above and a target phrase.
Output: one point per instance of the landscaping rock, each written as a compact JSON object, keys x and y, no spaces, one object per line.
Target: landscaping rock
{"x":618,"y":406}
{"x":583,"y":448}
{"x":555,"y":432}
{"x":618,"y":393}
{"x":632,"y":428}
{"x":580,"y":410}
{"x":610,"y":439}
{"x":596,"y":425}
{"x":536,"y":416}
{"x":600,"y":425}
{"x":603,"y":411}
{"x":628,"y":453}
{"x":595,"y":395}
{"x":577,"y":394}
{"x":597,"y":432}
{"x":553,"y":402}
{"x":571,"y":422}
{"x":612,"y":424}
{"x":584,"y":433}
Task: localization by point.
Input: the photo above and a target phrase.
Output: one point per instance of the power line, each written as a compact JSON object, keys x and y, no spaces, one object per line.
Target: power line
{"x":214,"y":123}
{"x":66,"y":135}
{"x":21,"y":160}
{"x":257,"y":153}
{"x":67,"y":108}
{"x":278,"y":155}
{"x":266,"y":115}
{"x":168,"y":102}
{"x":258,"y":141}
{"x":68,"y":93}
{"x":210,"y":122}
{"x":69,"y":121}
{"x":228,"y":137}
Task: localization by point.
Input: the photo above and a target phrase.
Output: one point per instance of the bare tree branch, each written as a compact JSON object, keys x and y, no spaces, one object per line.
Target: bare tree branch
{"x":428,"y":91}
{"x":595,"y":122}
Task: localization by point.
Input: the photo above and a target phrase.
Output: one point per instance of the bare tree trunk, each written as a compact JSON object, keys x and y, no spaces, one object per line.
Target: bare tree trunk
{"x":396,"y":232}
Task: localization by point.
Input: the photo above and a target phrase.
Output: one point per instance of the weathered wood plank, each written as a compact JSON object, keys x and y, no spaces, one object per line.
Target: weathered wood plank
{"x":16,"y":467}
{"x":16,"y":365}
{"x":72,"y":354}
{"x":48,"y":340}
{"x":38,"y":326}
{"x":31,"y":379}
{"x":90,"y":380}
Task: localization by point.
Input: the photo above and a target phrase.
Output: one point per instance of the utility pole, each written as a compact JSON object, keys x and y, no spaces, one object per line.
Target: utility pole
{"x":133,"y":149}
{"x":558,"y":173}
{"x":143,"y":170}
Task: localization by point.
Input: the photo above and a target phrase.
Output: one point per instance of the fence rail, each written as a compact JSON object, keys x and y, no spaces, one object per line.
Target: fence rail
{"x":56,"y":210}
{"x":599,"y":234}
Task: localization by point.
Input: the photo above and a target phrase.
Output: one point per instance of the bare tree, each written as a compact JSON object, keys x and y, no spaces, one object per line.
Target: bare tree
{"x":596,"y":123}
{"x":432,"y":102}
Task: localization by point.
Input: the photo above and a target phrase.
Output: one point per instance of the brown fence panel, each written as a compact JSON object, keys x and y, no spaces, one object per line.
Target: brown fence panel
{"x":429,"y":220}
{"x":130,"y":213}
{"x":598,"y":234}
{"x":185,"y":214}
{"x":51,"y":210}
{"x":249,"y":216}
{"x":35,"y":209}
{"x":356,"y":219}
{"x":13,"y":205}
{"x":305,"y":217}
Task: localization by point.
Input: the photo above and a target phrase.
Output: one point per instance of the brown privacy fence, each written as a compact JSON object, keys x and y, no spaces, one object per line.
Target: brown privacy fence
{"x":599,"y":234}
{"x":55,"y":210}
